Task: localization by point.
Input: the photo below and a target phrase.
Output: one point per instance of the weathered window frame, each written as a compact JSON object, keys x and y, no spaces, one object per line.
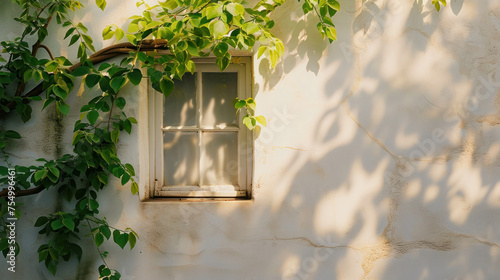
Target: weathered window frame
{"x":243,"y":66}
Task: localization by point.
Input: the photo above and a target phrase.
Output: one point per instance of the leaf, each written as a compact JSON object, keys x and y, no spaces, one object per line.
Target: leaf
{"x":54,"y":171}
{"x":101,"y":4}
{"x":135,"y":76}
{"x":213,"y":10}
{"x":69,"y":223}
{"x":40,"y":174}
{"x":107,"y":33}
{"x":261,"y":120}
{"x":130,"y":169}
{"x":218,"y":28}
{"x":117,"y":83}
{"x":134,"y":188}
{"x":27,"y":75}
{"x":262,"y":50}
{"x":166,"y":86}
{"x":92,"y":80}
{"x":119,"y":34}
{"x":57,"y":224}
{"x":92,"y":116}
{"x":73,"y":40}
{"x":120,"y":239}
{"x":42,"y":255}
{"x":51,"y":66}
{"x":80,"y":71}
{"x":12,"y":134}
{"x":250,"y":103}
{"x":99,"y":239}
{"x":125,"y":178}
{"x":132,"y":240}
{"x":41,"y":221}
{"x":120,"y":102}
{"x":88,"y":41}
{"x":114,"y":135}
{"x":240,"y":104}
{"x":62,"y":107}
{"x":51,"y":266}
{"x":248,"y":122}
{"x":127,"y":125}
{"x":105,"y":231}
{"x":93,"y":204}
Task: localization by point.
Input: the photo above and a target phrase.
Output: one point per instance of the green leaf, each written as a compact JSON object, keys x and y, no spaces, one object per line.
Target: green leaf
{"x":40,"y":174}
{"x":101,"y":4}
{"x":240,"y":104}
{"x":92,"y":116}
{"x":73,"y":39}
{"x":132,"y":240}
{"x":120,"y":102}
{"x":130,"y":169}
{"x":51,"y":66}
{"x":218,"y":28}
{"x":250,"y":103}
{"x":41,"y":221}
{"x":80,"y":71}
{"x":88,"y":41}
{"x":213,"y":10}
{"x":125,"y":179}
{"x":105,"y":231}
{"x":69,"y":223}
{"x":54,"y":171}
{"x":134,"y":188}
{"x":248,"y":122}
{"x":119,"y":34}
{"x":93,"y":204}
{"x":120,"y":239}
{"x":114,"y":135}
{"x":166,"y":86}
{"x":51,"y":266}
{"x":261,"y":120}
{"x":117,"y":83}
{"x":42,"y":255}
{"x":92,"y":80}
{"x":107,"y":33}
{"x":262,"y":50}
{"x":127,"y":125}
{"x":99,"y":239}
{"x":27,"y":75}
{"x":12,"y":134}
{"x":135,"y":76}
{"x":57,"y":224}
{"x":62,"y":107}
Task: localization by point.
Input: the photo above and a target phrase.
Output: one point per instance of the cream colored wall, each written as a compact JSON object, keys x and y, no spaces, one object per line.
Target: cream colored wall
{"x":381,"y":158}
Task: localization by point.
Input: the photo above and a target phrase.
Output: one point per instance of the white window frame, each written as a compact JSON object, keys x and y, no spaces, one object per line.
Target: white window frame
{"x":240,"y":65}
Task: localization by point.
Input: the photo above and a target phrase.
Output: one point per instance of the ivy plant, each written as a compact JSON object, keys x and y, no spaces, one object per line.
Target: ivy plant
{"x":158,"y":44}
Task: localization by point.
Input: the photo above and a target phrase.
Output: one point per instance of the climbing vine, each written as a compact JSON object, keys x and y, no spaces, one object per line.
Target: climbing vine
{"x":159,"y":44}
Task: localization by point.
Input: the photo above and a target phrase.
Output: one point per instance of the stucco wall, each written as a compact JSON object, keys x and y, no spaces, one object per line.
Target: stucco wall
{"x":381,"y":159}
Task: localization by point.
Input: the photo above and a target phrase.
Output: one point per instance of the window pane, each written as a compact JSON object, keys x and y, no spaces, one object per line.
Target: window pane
{"x":219,"y":91}
{"x":180,"y":105}
{"x":181,"y":160}
{"x":220,"y":158}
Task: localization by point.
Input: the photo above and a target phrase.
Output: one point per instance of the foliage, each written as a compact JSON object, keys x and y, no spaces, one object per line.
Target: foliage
{"x":187,"y":28}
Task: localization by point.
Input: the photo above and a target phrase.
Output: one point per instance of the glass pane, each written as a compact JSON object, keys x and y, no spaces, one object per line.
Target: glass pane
{"x":219,"y":91}
{"x":220,"y":158}
{"x":180,"y":156}
{"x":180,"y":105}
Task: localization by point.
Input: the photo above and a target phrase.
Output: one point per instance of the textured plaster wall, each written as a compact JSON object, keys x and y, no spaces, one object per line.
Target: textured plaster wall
{"x":381,"y":159}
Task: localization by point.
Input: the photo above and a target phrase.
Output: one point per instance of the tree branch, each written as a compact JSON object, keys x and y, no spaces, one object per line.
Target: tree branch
{"x":99,"y":56}
{"x":18,"y":193}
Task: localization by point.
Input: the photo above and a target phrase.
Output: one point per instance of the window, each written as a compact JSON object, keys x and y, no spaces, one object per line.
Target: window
{"x":201,"y":148}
